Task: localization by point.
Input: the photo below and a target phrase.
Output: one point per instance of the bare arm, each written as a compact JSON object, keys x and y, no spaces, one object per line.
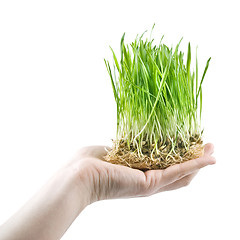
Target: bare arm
{"x":87,"y":179}
{"x":51,"y":211}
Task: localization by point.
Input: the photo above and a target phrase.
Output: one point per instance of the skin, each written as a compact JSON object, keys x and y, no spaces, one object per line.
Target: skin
{"x":87,"y":179}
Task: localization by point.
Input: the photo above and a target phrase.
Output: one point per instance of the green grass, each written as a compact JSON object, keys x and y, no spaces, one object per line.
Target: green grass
{"x":158,"y":97}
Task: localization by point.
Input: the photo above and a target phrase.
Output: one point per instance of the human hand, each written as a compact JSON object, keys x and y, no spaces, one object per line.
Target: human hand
{"x":86,"y":179}
{"x":107,"y":181}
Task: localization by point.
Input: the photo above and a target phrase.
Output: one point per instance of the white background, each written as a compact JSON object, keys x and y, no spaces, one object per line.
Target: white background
{"x":56,"y":96}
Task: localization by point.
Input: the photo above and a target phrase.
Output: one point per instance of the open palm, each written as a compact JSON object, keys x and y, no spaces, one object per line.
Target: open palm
{"x":115,"y":181}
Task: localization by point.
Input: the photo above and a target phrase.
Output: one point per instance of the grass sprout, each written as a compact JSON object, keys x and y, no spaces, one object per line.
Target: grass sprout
{"x":158,"y":99}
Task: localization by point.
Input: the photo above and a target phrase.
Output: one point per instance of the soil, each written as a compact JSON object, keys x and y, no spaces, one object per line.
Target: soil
{"x":165,"y":156}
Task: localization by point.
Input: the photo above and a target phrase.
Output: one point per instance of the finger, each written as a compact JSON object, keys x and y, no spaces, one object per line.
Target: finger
{"x":208,"y":149}
{"x":183,"y":182}
{"x":178,"y":171}
{"x":94,"y":151}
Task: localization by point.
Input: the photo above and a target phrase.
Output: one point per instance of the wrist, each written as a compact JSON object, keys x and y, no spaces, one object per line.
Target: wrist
{"x":80,"y":176}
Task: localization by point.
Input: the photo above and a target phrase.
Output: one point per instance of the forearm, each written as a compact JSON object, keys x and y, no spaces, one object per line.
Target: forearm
{"x":51,"y":211}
